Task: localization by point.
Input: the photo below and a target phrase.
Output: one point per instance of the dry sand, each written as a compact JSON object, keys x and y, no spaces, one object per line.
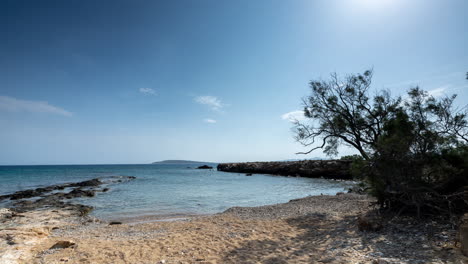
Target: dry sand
{"x":317,"y":229}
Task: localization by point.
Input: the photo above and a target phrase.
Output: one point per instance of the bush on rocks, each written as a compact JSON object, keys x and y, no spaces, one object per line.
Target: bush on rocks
{"x":413,"y":152}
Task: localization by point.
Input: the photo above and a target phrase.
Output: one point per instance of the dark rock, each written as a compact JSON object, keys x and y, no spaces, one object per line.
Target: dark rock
{"x":248,"y":174}
{"x":24,"y":194}
{"x":83,"y":210}
{"x":330,"y":169}
{"x":44,"y":190}
{"x":115,"y":223}
{"x":204,"y":167}
{"x":10,"y":239}
{"x":90,"y":183}
{"x":63,"y":244}
{"x":80,"y":193}
{"x":55,"y":200}
{"x":40,"y":191}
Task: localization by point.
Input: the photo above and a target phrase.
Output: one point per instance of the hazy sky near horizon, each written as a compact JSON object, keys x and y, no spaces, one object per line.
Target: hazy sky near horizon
{"x":86,"y":82}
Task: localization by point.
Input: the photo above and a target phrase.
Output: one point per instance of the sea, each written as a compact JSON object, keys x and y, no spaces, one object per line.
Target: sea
{"x":168,"y":189}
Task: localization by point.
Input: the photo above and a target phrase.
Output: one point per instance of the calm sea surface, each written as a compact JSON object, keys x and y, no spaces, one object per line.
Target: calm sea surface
{"x":168,"y":189}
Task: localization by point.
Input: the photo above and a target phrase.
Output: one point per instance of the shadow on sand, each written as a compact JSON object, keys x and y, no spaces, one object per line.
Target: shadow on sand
{"x":326,"y":240}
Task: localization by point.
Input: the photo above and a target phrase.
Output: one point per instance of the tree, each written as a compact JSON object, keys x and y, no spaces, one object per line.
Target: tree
{"x":344,"y":114}
{"x":415,"y":149}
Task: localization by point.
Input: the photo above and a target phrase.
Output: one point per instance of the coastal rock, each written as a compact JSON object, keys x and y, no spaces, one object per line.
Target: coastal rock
{"x":63,"y":244}
{"x":36,"y":213}
{"x":83,"y":210}
{"x":333,"y":169}
{"x":80,"y":193}
{"x":24,"y":194}
{"x":30,"y":193}
{"x":93,"y":183}
{"x":51,"y":197}
{"x":204,"y":167}
{"x":6,"y":213}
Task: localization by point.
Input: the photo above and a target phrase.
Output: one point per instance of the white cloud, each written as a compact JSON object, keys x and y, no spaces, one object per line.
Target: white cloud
{"x":147,"y":91}
{"x":212,"y":101}
{"x":294,"y":116}
{"x":210,"y":121}
{"x":16,"y":105}
{"x":438,"y":92}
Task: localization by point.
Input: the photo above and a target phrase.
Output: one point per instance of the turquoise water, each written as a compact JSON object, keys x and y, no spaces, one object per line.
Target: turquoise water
{"x":168,"y":189}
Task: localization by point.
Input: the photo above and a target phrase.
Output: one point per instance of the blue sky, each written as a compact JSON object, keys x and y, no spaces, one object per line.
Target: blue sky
{"x":86,"y":82}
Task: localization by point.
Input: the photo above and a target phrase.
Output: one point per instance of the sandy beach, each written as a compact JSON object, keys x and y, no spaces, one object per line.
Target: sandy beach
{"x":315,"y":229}
{"x":234,"y":132}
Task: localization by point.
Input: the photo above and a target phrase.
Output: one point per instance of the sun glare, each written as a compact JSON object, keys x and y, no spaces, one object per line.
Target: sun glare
{"x":373,"y":4}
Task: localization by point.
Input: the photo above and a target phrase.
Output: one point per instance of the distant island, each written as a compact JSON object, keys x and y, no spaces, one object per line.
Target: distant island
{"x":180,"y":162}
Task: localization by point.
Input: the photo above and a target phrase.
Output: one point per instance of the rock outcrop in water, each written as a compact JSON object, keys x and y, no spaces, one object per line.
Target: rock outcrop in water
{"x":332,"y":169}
{"x":204,"y":167}
{"x":35,"y":213}
{"x":54,"y":196}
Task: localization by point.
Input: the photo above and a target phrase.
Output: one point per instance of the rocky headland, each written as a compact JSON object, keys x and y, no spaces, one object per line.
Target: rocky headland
{"x":330,"y":169}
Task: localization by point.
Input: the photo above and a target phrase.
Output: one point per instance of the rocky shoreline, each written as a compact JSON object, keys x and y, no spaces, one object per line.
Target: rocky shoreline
{"x":54,"y":196}
{"x":330,"y":169}
{"x":33,"y":214}
{"x":314,"y":229}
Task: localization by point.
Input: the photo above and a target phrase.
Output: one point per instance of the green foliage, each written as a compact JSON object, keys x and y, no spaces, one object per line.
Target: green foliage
{"x":358,"y":166}
{"x":345,"y":114}
{"x":413,"y":152}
